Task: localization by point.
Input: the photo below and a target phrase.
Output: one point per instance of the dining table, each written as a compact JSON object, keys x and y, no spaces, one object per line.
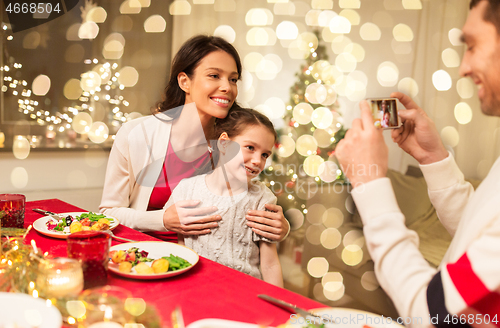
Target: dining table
{"x":208,"y":290}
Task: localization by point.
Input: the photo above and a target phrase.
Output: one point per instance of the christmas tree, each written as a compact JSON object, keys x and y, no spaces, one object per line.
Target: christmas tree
{"x":305,"y":159}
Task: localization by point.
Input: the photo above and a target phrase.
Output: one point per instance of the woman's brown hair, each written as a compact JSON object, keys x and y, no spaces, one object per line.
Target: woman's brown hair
{"x":186,"y":60}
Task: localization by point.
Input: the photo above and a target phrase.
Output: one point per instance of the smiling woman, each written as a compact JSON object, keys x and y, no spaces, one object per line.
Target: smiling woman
{"x":151,"y":155}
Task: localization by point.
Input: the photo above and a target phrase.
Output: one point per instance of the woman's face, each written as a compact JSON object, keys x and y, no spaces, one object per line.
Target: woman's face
{"x":213,"y":85}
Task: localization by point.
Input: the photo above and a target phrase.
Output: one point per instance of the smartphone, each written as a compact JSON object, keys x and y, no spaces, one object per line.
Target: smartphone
{"x":385,"y":113}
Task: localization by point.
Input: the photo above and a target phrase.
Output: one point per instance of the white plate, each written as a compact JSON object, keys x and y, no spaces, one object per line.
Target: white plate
{"x":221,"y":323}
{"x":24,"y":311}
{"x":156,"y":250}
{"x":40,"y":225}
{"x":345,"y":318}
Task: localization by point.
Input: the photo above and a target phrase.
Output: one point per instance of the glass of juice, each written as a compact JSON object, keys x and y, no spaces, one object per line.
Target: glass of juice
{"x":12,"y":210}
{"x":91,"y":248}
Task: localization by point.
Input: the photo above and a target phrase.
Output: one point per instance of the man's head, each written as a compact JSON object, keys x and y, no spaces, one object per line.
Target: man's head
{"x":481,"y":60}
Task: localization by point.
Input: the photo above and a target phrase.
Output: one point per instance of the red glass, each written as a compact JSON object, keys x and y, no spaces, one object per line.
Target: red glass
{"x":91,"y":248}
{"x":12,"y":210}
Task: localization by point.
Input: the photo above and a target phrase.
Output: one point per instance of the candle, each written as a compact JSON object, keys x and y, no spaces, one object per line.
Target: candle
{"x":60,"y":277}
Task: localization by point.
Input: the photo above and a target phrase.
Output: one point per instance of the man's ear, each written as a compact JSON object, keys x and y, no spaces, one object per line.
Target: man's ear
{"x":184,"y":82}
{"x":223,"y":142}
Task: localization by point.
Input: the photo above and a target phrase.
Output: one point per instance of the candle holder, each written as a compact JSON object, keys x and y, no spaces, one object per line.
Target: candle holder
{"x":12,"y":210}
{"x":60,"y":278}
{"x":105,"y":307}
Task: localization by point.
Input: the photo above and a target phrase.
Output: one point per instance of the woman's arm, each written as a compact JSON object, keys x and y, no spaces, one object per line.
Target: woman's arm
{"x":270,"y":264}
{"x":271,"y":224}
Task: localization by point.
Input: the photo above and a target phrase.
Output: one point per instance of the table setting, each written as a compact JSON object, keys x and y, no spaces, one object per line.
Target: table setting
{"x":97,"y":279}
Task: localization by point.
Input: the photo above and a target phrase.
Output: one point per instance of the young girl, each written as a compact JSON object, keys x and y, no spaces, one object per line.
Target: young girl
{"x":245,"y":141}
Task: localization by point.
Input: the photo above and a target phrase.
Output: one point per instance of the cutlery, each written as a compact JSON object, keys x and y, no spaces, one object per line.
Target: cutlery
{"x":294,"y":308}
{"x":120,"y":238}
{"x":48,"y":213}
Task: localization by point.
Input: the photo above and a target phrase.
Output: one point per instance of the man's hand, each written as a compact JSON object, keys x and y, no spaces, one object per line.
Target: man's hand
{"x":271,"y":224}
{"x":363,"y":153}
{"x":185,"y":218}
{"x":418,"y":136}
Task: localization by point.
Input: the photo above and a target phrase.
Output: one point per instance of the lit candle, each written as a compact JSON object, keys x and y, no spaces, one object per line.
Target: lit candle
{"x":61,"y":277}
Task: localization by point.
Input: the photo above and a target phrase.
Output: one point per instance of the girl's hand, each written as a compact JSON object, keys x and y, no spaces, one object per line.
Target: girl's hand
{"x":272,"y":225}
{"x":185,"y":218}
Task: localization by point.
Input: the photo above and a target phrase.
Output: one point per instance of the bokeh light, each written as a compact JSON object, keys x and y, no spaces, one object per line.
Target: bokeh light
{"x":330,"y":238}
{"x":354,"y":237}
{"x":128,"y":76}
{"x":82,"y":123}
{"x":19,"y":176}
{"x":88,"y":30}
{"x":351,"y":15}
{"x":412,"y":4}
{"x":20,"y":147}
{"x":322,"y":4}
{"x":352,"y":255}
{"x":314,"y":213}
{"x":98,"y":132}
{"x":351,"y":4}
{"x":408,"y":86}
{"x":41,"y":85}
{"x":130,"y":7}
{"x":284,"y":8}
{"x":286,"y":147}
{"x":306,"y":145}
{"x":302,"y":113}
{"x":323,"y":138}
{"x":346,"y":62}
{"x":312,"y":164}
{"x":226,"y":32}
{"x":259,"y":17}
{"x":72,"y":89}
{"x":325,"y":17}
{"x":259,"y":36}
{"x":97,"y":14}
{"x":295,"y":217}
{"x":31,"y":40}
{"x":463,"y":113}
{"x":287,"y":30}
{"x":317,"y":267}
{"x":387,"y":74}
{"x":315,"y":93}
{"x":313,"y":232}
{"x":402,"y":33}
{"x":312,"y":17}
{"x":356,"y":50}
{"x":328,"y":171}
{"x":72,"y":32}
{"x":454,"y":36}
{"x":450,"y":136}
{"x":155,"y":24}
{"x":251,"y":61}
{"x":370,"y":32}
{"x":450,"y":58}
{"x":179,"y":8}
{"x":339,"y":44}
{"x":340,"y":25}
{"x":277,"y":107}
{"x":369,"y":281}
{"x":465,"y":88}
{"x":333,"y":218}
{"x":90,"y":81}
{"x":441,"y":80}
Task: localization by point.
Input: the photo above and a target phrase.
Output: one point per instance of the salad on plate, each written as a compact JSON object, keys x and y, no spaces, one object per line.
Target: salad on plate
{"x":83,"y":222}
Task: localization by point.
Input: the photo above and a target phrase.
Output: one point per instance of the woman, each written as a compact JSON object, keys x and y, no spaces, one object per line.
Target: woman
{"x":152,"y":154}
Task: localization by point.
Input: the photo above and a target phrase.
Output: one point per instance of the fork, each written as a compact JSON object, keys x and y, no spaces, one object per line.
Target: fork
{"x":294,"y":308}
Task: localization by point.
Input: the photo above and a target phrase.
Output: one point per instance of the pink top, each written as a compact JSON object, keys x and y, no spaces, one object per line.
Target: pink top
{"x":177,"y":170}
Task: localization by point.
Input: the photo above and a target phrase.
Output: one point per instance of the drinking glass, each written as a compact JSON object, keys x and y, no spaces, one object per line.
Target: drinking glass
{"x":12,"y":210}
{"x":91,"y":248}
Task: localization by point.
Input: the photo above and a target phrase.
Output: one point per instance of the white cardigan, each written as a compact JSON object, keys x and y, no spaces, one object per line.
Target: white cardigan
{"x":134,"y":164}
{"x":472,"y":260}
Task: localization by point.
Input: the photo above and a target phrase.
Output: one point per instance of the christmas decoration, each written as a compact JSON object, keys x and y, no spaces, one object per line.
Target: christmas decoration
{"x":302,"y":161}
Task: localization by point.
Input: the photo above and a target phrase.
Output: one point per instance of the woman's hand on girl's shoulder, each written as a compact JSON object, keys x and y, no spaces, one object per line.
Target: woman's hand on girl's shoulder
{"x":185,"y":218}
{"x":270,"y":223}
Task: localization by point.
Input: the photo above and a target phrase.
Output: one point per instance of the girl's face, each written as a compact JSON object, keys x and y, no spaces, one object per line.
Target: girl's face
{"x":255,"y":147}
{"x":213,"y":85}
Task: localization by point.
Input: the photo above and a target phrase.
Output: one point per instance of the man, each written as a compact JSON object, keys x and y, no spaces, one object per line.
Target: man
{"x":465,"y":289}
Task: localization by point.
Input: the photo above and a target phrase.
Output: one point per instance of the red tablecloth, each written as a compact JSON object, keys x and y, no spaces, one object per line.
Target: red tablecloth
{"x":209,"y":290}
